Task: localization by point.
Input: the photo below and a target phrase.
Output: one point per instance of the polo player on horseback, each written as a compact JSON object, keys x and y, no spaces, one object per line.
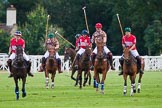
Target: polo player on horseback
{"x":129,"y":40}
{"x":100,"y":32}
{"x":14,"y":42}
{"x":83,"y":41}
{"x":51,"y":41}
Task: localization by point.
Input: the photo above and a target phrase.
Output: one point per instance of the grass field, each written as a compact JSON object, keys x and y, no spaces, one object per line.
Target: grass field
{"x":65,"y":95}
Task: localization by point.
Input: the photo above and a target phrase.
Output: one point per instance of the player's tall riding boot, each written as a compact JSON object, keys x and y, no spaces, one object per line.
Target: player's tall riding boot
{"x":77,"y":61}
{"x":121,"y":61}
{"x":139,"y":64}
{"x":29,"y":69}
{"x":9,"y":66}
{"x":111,"y":60}
{"x":59,"y":65}
{"x":93,"y":56}
{"x":42,"y":66}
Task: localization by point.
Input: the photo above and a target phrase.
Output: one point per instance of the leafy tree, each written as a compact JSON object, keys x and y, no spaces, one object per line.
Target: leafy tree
{"x":34,"y":30}
{"x":153,"y":37}
{"x":4,"y":43}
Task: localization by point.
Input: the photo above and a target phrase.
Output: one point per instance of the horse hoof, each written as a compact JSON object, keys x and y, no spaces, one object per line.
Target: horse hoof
{"x":96,"y":89}
{"x":134,"y":91}
{"x":52,"y":87}
{"x":23,"y":94}
{"x":124,"y":93}
{"x":138,"y":90}
{"x":17,"y":97}
{"x":102,"y":92}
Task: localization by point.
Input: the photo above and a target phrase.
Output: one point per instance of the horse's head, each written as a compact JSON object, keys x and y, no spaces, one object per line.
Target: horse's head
{"x":100,"y":46}
{"x":66,"y":54}
{"x":19,"y":55}
{"x":126,"y":54}
{"x":51,"y":51}
{"x":88,"y":51}
{"x":69,"y":53}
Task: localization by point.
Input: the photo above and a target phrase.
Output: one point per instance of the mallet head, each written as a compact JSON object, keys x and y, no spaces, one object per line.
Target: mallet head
{"x":84,"y":7}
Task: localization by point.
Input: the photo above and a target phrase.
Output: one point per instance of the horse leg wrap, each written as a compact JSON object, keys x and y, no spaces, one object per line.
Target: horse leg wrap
{"x":23,"y":93}
{"x":94,"y":83}
{"x":102,"y":86}
{"x":17,"y":93}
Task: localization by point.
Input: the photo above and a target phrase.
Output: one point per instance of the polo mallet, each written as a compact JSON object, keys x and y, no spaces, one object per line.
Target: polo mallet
{"x":120,"y":24}
{"x":64,"y":38}
{"x":85,"y":16}
{"x":47,"y":26}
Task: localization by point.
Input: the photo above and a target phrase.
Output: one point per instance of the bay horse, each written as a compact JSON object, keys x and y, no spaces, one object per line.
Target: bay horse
{"x":19,"y":70}
{"x":130,"y":69}
{"x":84,"y":65}
{"x":101,"y":64}
{"x":51,"y":67}
{"x":69,"y":54}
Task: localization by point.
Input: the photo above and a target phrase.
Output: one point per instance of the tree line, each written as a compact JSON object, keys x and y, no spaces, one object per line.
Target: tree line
{"x":66,"y":16}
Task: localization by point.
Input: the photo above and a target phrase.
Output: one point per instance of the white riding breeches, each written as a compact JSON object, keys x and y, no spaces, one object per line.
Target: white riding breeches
{"x":47,"y":54}
{"x":81,"y":51}
{"x":105,"y":49}
{"x":134,"y":53}
{"x":13,"y":55}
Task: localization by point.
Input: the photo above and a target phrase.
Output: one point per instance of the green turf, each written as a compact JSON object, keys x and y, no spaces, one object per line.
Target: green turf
{"x":65,"y":95}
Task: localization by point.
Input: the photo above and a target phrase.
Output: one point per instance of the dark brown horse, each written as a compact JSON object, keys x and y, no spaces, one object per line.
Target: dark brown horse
{"x":101,"y":64}
{"x":130,"y":69}
{"x":19,"y":70}
{"x":69,"y":54}
{"x":84,"y":65}
{"x":50,"y":67}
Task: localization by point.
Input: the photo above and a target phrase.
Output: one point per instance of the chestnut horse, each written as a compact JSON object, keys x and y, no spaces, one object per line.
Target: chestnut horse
{"x":130,"y":69}
{"x":19,"y":69}
{"x":51,"y":67}
{"x":84,"y":65}
{"x":101,"y":64}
